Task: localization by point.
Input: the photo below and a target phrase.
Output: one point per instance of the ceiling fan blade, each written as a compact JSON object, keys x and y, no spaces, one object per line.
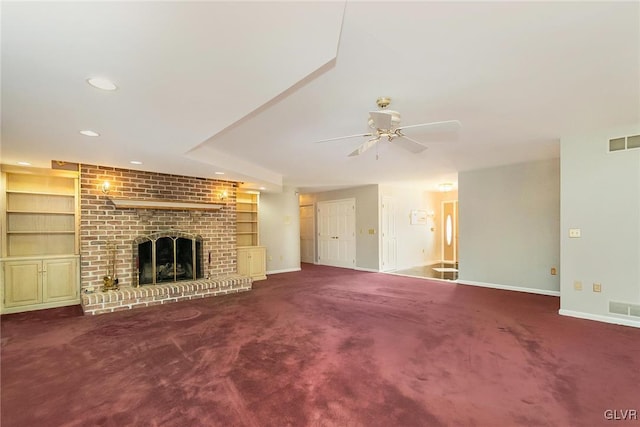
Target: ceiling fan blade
{"x":364,"y":146}
{"x":344,"y":137}
{"x":446,"y":126}
{"x":409,"y":144}
{"x":381,"y":119}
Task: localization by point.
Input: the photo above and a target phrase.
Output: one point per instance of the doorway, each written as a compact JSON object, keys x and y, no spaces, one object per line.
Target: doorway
{"x":389,"y":237}
{"x":307,"y":241}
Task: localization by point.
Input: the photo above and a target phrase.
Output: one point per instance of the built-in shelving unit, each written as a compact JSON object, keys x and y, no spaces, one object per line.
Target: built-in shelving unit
{"x":247,"y":219}
{"x":251,"y":257}
{"x":40,"y":247}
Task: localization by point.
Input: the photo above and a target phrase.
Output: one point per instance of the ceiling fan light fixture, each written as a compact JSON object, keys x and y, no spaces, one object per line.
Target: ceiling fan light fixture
{"x":383,"y":101}
{"x":445,"y":186}
{"x":374,"y":122}
{"x":385,"y":124}
{"x":89,"y":133}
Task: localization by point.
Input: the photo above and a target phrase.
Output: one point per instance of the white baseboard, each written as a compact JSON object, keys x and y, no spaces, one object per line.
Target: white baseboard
{"x":510,"y":288}
{"x":600,"y":318}
{"x":286,"y":270}
{"x":370,"y":270}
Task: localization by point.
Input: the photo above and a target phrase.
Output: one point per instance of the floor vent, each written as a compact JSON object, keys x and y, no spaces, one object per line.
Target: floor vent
{"x":624,"y":143}
{"x":624,"y":308}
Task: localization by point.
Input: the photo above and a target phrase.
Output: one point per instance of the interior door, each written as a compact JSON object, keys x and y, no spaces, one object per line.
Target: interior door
{"x":336,"y":233}
{"x":307,"y":234}
{"x":388,"y":234}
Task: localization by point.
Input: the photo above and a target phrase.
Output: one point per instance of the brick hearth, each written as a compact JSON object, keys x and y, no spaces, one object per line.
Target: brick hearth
{"x":127,"y":297}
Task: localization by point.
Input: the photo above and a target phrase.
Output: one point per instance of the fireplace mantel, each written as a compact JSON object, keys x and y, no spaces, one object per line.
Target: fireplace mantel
{"x":162,"y":204}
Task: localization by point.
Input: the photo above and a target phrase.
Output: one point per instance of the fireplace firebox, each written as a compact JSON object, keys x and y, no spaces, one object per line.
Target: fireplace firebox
{"x":168,"y":256}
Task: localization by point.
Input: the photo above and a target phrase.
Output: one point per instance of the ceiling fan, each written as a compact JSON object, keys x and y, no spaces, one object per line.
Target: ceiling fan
{"x":385,"y":125}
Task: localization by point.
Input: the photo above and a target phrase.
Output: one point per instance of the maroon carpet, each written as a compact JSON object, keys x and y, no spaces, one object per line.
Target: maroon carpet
{"x":322,"y":347}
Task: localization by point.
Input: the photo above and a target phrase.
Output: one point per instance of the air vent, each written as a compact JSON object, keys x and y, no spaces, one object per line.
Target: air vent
{"x":624,"y":308}
{"x":624,"y":143}
{"x":633,"y":142}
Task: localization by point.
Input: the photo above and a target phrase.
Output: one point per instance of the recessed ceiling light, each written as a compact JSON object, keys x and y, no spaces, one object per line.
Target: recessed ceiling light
{"x":219,"y":173}
{"x":262,"y":188}
{"x":101,"y":83}
{"x":135,"y":162}
{"x":89,"y":133}
{"x":24,"y":163}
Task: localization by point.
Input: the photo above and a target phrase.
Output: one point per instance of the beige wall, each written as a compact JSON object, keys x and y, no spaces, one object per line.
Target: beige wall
{"x":279,"y":228}
{"x":601,"y":197}
{"x":510,"y":226}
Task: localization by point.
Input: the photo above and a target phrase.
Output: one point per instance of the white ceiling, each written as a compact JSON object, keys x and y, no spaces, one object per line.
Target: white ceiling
{"x":245,"y":88}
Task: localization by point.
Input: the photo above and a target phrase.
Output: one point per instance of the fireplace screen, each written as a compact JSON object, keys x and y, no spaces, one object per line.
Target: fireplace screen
{"x":168,"y":257}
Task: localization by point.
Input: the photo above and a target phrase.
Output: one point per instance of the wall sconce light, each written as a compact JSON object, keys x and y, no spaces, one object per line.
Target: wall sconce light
{"x":106,"y":187}
{"x":223,"y":195}
{"x":445,"y":186}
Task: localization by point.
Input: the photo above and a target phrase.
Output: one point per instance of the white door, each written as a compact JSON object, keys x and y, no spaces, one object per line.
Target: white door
{"x":388,"y":234}
{"x":307,"y":235}
{"x":336,"y":233}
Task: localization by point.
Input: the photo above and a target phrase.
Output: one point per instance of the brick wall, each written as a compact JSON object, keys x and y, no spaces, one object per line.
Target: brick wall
{"x":102,"y":226}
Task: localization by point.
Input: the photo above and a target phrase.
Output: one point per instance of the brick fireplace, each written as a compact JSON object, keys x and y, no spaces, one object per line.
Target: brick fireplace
{"x":109,"y":236}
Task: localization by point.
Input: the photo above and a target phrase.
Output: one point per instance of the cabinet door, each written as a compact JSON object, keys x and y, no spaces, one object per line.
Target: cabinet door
{"x":23,"y":283}
{"x":59,"y":279}
{"x":257,"y":263}
{"x":243,"y":262}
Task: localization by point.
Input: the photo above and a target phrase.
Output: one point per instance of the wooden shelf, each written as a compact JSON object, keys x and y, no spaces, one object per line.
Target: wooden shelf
{"x":247,"y":219}
{"x":41,"y":232}
{"x":40,"y":212}
{"x":40,"y":193}
{"x":163,"y":204}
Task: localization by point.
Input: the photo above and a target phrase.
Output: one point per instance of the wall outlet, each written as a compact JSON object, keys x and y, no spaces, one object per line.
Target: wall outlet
{"x":575,"y":233}
{"x":597,"y":287}
{"x":554,"y":271}
{"x":577,"y":285}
